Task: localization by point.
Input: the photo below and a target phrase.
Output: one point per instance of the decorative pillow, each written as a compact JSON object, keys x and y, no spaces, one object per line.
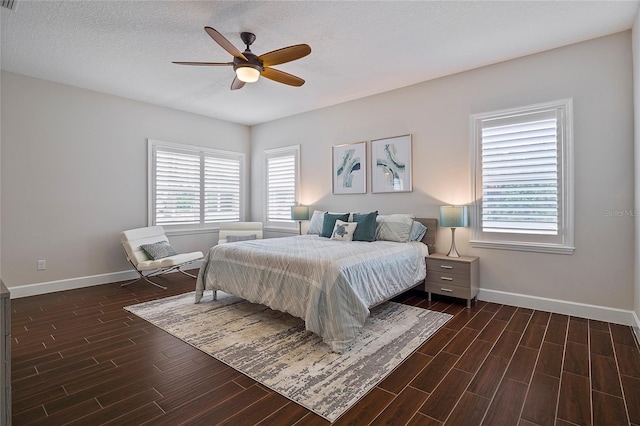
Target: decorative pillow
{"x":417,"y":231}
{"x":344,"y":231}
{"x":394,"y":227}
{"x":234,"y":238}
{"x":158,"y":250}
{"x":329,"y":221}
{"x":315,"y":224}
{"x":366,"y":230}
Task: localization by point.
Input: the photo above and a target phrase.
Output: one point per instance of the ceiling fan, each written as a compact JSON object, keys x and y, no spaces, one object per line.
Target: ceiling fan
{"x":249,"y":67}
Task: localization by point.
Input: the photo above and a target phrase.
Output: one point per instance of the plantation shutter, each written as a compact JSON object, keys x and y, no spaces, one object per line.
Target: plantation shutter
{"x":177,"y":188}
{"x":281,"y":184}
{"x":520,"y":169}
{"x":221,"y":189}
{"x":193,"y":187}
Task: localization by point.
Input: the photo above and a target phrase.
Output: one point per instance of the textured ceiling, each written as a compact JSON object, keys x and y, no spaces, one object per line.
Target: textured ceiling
{"x":125,"y":48}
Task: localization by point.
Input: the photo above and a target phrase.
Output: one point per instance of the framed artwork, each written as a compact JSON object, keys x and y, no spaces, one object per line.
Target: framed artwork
{"x":350,"y":168}
{"x":391,"y":164}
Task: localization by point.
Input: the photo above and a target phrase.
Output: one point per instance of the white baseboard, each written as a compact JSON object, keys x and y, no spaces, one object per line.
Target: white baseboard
{"x":80,"y":282}
{"x":70,"y":284}
{"x":636,"y":325}
{"x":583,"y":310}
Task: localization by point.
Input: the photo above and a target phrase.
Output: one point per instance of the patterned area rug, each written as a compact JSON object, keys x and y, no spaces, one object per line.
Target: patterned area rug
{"x":274,"y":348}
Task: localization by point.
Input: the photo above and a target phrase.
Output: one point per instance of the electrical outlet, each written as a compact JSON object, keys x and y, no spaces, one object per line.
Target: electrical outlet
{"x":42,"y":265}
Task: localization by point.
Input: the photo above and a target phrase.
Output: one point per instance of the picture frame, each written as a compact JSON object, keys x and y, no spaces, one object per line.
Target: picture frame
{"x":391,"y":164}
{"x":349,"y":172}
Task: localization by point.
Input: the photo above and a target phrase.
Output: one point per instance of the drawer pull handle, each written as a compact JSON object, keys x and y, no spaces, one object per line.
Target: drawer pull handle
{"x":446,"y":267}
{"x":446,"y":278}
{"x":448,"y":290}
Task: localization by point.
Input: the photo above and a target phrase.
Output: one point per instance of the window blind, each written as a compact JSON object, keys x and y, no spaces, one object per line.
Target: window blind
{"x":222,"y":189}
{"x":281,"y":186}
{"x":520,"y":190}
{"x":192,"y":186}
{"x":177,"y":188}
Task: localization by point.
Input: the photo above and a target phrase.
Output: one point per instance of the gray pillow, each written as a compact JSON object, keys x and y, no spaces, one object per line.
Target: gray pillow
{"x":235,"y":238}
{"x":158,"y":250}
{"x":417,"y":231}
{"x":394,"y":227}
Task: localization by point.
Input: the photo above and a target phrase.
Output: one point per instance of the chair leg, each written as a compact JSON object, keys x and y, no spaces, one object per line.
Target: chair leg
{"x":142,"y":277}
{"x":187,"y":274}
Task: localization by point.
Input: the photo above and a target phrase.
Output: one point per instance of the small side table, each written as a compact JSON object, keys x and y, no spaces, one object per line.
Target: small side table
{"x":452,"y":276}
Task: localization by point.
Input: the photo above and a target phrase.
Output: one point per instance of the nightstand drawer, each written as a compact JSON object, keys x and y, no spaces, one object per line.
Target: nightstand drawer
{"x":449,"y":266}
{"x":442,"y":277}
{"x":447,"y":290}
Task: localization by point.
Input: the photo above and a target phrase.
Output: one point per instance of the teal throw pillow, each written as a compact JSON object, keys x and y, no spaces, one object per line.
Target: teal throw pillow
{"x":329,"y":222}
{"x":366,"y":230}
{"x":158,"y":250}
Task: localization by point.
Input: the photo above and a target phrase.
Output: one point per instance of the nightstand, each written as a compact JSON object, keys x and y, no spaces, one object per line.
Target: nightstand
{"x":452,"y":276}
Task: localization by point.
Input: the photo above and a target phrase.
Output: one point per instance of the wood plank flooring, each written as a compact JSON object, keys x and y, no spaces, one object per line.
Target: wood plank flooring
{"x":79,"y":359}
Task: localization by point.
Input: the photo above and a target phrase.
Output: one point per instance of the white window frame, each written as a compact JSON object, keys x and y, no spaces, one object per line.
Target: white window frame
{"x":273,"y":153}
{"x":202,"y":226}
{"x":563,"y":242}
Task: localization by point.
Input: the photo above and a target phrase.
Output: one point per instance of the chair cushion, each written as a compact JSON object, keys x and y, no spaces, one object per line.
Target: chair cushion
{"x":158,"y":250}
{"x":167,"y":262}
{"x":239,"y":229}
{"x":234,"y":238}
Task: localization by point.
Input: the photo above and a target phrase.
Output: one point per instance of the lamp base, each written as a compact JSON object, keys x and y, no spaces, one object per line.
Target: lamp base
{"x":452,"y":251}
{"x":299,"y":227}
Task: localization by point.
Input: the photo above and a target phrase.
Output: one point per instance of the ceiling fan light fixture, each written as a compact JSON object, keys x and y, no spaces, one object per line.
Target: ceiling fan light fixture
{"x":247,"y":74}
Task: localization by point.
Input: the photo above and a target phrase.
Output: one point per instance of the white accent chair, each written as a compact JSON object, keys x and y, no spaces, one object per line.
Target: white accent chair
{"x":239,"y":229}
{"x":146,"y":267}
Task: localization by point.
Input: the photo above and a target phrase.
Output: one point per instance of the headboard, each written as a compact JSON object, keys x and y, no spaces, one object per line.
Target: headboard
{"x":430,"y":236}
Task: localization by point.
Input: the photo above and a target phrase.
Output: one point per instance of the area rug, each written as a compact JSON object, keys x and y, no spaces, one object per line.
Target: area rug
{"x":274,"y":348}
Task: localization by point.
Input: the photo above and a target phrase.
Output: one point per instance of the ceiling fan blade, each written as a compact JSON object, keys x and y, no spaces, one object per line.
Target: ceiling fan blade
{"x":237,"y":83}
{"x":282,"y":77}
{"x":286,"y":54}
{"x":224,"y":43}
{"x":206,"y":64}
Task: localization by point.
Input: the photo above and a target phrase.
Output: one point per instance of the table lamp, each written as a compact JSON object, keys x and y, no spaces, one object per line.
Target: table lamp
{"x":453,"y":217}
{"x":300,"y":213}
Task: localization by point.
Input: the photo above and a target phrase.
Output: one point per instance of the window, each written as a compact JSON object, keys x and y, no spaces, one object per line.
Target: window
{"x":281,"y":183}
{"x":522,"y":161}
{"x":193,"y":187}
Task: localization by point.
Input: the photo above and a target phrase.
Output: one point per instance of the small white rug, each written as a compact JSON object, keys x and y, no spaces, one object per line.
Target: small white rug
{"x":274,"y":348}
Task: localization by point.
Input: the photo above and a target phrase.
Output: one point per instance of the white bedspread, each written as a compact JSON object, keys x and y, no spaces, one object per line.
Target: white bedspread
{"x":330,"y":284}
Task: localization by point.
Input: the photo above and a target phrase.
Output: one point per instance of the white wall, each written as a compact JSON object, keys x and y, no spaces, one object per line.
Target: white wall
{"x":598,"y":76}
{"x":636,"y":94}
{"x":74,"y":174}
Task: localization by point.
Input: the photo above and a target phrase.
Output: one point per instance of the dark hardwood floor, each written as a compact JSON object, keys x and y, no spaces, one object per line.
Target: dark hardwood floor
{"x":78,"y":358}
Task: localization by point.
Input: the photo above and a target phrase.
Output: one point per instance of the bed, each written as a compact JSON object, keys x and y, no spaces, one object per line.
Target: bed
{"x":330,"y":284}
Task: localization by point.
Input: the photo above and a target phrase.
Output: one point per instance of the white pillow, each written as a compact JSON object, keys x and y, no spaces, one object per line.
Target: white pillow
{"x":315,"y":224}
{"x":394,"y":227}
{"x":343,"y":231}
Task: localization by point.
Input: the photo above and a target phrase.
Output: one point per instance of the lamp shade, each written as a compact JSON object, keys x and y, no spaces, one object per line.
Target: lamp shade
{"x":300,"y":213}
{"x":454,"y":216}
{"x":247,"y":74}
